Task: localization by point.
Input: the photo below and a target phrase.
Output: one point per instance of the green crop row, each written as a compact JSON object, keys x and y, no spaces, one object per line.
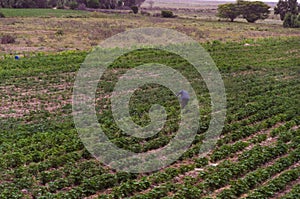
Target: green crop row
{"x":294,"y":193}
{"x":275,"y":184}
{"x":254,"y":179}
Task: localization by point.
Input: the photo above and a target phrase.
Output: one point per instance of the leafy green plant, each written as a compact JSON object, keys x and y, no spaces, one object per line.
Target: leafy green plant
{"x":167,"y":14}
{"x":291,"y":21}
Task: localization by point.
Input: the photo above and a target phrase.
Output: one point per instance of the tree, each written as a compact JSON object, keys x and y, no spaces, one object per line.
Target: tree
{"x":93,"y":4}
{"x":120,"y":3}
{"x":228,"y":10}
{"x":151,"y":3}
{"x":6,"y":4}
{"x":130,"y":3}
{"x":135,"y":9}
{"x":24,"y":4}
{"x":287,"y":6}
{"x":41,"y":3}
{"x":107,"y":4}
{"x":291,"y":21}
{"x":253,"y":11}
{"x":52,"y":3}
{"x":73,"y":5}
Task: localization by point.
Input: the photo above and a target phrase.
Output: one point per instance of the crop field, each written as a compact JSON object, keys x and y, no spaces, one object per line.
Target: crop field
{"x":257,"y":154}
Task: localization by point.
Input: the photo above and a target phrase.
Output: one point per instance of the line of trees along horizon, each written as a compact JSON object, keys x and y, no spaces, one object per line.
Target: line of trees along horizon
{"x":105,"y":4}
{"x":254,"y":10}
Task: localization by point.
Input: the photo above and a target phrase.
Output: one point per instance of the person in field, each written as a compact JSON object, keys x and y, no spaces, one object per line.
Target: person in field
{"x":184,"y":98}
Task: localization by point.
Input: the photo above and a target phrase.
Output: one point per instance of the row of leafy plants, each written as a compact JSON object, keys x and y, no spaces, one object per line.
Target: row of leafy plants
{"x":49,"y":161}
{"x":253,"y":179}
{"x":167,"y":186}
{"x":276,"y":184}
{"x":188,"y":189}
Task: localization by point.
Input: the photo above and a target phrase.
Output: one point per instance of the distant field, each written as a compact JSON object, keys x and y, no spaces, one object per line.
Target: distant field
{"x":59,"y":30}
{"x":42,"y":13}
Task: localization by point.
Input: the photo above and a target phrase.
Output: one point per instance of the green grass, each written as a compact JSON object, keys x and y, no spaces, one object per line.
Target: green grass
{"x":42,"y":13}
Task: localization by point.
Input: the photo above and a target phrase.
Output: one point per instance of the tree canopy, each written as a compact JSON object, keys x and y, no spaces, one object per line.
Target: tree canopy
{"x":251,"y":11}
{"x":287,"y":6}
{"x":228,"y":10}
{"x":106,"y":4}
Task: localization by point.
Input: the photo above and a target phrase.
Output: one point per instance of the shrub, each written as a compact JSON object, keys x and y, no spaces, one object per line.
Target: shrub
{"x":291,"y":21}
{"x":8,"y":39}
{"x":82,"y":6}
{"x":59,"y":32}
{"x":2,"y":15}
{"x":93,"y":4}
{"x":167,"y":14}
{"x":135,"y":9}
{"x":287,"y":21}
{"x":60,"y":6}
{"x":73,"y":5}
{"x":120,"y":3}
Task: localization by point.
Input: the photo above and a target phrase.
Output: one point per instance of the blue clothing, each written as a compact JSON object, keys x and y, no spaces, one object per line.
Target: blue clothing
{"x":184,"y":94}
{"x":184,"y":98}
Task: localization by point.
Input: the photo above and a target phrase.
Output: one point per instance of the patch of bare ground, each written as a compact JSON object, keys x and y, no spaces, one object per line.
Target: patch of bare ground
{"x":247,"y":73}
{"x":149,"y":189}
{"x":36,"y":93}
{"x":281,"y":58}
{"x":292,"y":51}
{"x":16,"y":48}
{"x":294,"y":128}
{"x":105,"y":192}
{"x":287,"y":77}
{"x":56,"y":34}
{"x":179,"y":179}
{"x":216,"y":192}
